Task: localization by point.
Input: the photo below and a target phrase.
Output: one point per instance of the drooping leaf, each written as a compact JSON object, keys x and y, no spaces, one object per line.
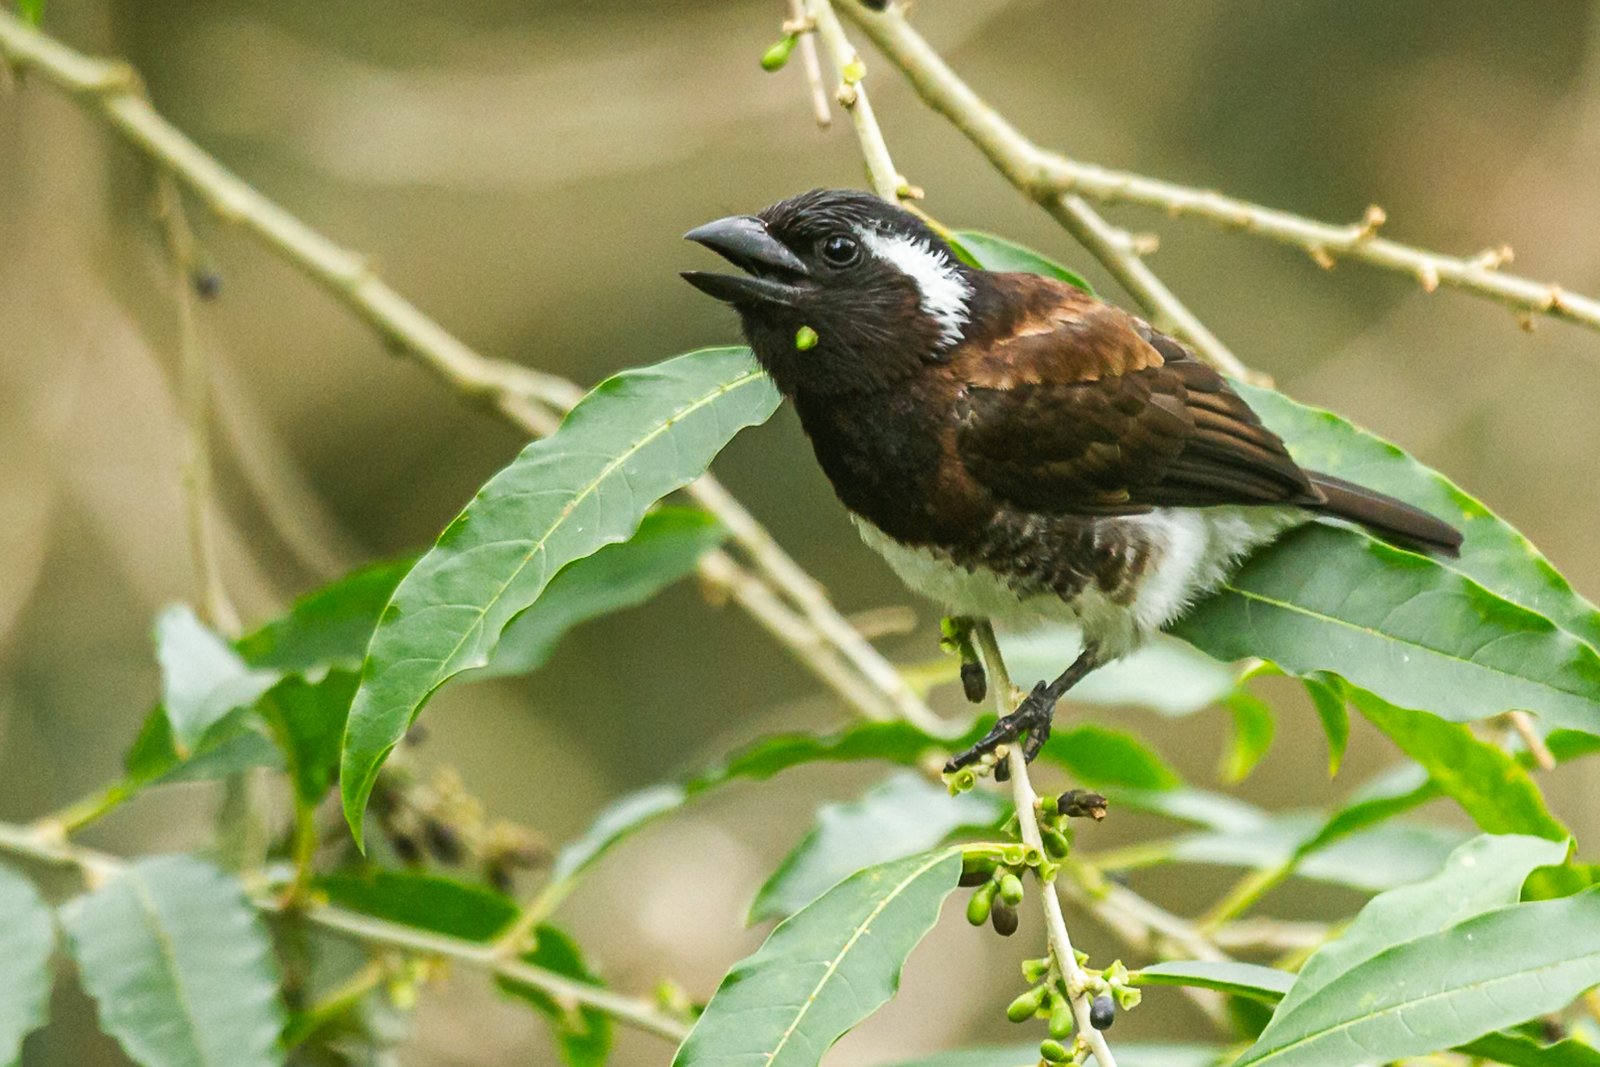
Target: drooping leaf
{"x":27,"y":940}
{"x":307,"y":719}
{"x":1490,"y":785}
{"x":632,"y":440}
{"x":1486,"y":872}
{"x":1228,"y":976}
{"x":328,"y":628}
{"x":583,"y":1033}
{"x":1334,"y":712}
{"x":179,"y":966}
{"x":425,"y":901}
{"x":202,"y":677}
{"x":900,"y":817}
{"x":1407,"y":627}
{"x":1253,"y":728}
{"x":1494,"y":555}
{"x":1442,"y":989}
{"x":668,"y":544}
{"x":823,"y":970}
{"x":998,"y":254}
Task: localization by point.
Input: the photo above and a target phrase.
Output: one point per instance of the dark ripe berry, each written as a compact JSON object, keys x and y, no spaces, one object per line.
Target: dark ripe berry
{"x":1004,"y":919}
{"x":443,"y":841}
{"x":876,"y":5}
{"x":1103,"y":1012}
{"x":975,"y":876}
{"x":974,"y":682}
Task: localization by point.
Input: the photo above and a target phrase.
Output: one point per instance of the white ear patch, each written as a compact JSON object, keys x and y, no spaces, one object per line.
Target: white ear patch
{"x":944,"y":291}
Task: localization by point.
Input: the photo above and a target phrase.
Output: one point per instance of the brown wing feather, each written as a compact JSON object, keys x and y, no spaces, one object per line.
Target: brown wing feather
{"x":1074,"y":406}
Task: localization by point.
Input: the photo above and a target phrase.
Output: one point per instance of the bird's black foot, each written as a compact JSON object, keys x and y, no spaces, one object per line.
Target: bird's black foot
{"x":1032,"y":717}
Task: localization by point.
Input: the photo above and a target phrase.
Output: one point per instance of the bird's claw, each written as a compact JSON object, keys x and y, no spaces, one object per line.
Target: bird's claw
{"x":1032,"y":717}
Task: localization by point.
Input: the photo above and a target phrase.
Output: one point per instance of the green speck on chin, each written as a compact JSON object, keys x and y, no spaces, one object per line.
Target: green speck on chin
{"x":805,"y":338}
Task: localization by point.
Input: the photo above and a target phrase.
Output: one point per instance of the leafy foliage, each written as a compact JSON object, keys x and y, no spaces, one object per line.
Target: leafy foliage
{"x":27,"y":940}
{"x":179,"y":966}
{"x":824,"y":970}
{"x":635,"y":438}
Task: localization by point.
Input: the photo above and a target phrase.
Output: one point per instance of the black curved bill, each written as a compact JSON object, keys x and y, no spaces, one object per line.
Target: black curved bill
{"x":744,"y":241}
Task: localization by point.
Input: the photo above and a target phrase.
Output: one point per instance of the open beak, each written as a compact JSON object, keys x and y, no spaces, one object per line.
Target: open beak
{"x":771,"y":269}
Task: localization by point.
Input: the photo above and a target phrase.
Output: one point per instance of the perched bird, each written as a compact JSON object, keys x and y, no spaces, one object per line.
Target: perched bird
{"x":1012,"y":446}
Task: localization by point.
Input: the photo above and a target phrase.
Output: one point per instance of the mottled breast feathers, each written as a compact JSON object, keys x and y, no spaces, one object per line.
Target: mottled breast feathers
{"x":1070,"y":406}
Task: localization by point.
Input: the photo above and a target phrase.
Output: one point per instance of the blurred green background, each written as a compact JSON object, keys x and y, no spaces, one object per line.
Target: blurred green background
{"x":523,"y":172}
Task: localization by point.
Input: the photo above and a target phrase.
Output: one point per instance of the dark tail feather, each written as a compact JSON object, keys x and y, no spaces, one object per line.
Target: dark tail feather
{"x":1391,"y":519}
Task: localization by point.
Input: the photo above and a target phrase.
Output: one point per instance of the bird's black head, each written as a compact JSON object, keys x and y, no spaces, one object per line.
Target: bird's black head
{"x":843,"y":292}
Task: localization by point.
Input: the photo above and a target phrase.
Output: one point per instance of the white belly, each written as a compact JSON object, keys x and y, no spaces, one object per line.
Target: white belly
{"x":1198,"y":549}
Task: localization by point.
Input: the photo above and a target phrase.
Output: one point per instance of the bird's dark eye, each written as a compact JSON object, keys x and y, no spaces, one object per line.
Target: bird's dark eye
{"x":839,"y":250}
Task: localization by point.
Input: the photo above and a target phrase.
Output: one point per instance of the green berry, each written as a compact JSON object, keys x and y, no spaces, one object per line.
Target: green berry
{"x":1053,"y":1051}
{"x":978,"y":907}
{"x":1023,"y":1007}
{"x":775,"y":57}
{"x":1061,"y":1020}
{"x":1055,"y":842}
{"x":1011,"y":889}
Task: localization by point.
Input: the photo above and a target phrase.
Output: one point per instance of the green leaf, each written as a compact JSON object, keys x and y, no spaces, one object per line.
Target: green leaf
{"x":328,"y":628}
{"x":666,"y":548}
{"x":1489,"y":784}
{"x":32,"y":11}
{"x":1129,"y":1054}
{"x":1392,"y":794}
{"x":1331,"y":708}
{"x":1494,"y":555}
{"x":632,"y":440}
{"x":1253,"y":727}
{"x":824,"y":970}
{"x":1374,"y":859}
{"x":1400,"y":625}
{"x":894,"y":742}
{"x":425,"y":901}
{"x":236,"y":742}
{"x":1442,"y":989}
{"x":900,"y":817}
{"x":202,"y":678}
{"x":27,"y":940}
{"x":307,"y":718}
{"x":583,"y":1033}
{"x":1101,"y":757}
{"x":1519,"y":1050}
{"x":998,"y":254}
{"x":1484,"y":873}
{"x":1241,"y":979}
{"x":178,"y":963}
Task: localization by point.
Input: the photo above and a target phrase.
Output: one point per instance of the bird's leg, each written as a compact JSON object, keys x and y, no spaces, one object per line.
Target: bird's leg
{"x":955,"y":637}
{"x":1033,"y":716}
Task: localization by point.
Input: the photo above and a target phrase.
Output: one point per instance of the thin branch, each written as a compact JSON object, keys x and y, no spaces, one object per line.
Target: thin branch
{"x":194,"y":376}
{"x":1019,"y":160}
{"x":528,"y":399}
{"x":1025,"y":800}
{"x":98,"y":867}
{"x":811,"y":64}
{"x":1052,"y":178}
{"x":886,"y":180}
